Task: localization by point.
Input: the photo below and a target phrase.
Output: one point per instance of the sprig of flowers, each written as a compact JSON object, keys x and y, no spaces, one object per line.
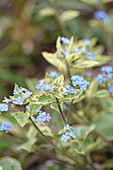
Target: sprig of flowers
{"x":106,"y":75}
{"x":79,"y":80}
{"x":43,"y":117}
{"x":69,"y":134}
{"x":101,"y":15}
{"x":6,"y":126}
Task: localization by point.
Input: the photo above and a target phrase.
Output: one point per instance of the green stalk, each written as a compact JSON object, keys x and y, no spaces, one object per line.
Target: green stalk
{"x":61,"y":113}
{"x":41,"y":133}
{"x":48,"y":140}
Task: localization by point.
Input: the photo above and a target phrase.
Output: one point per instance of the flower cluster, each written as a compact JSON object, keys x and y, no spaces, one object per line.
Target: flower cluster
{"x":5,"y":126}
{"x":69,"y":134}
{"x":45,"y":87}
{"x":43,"y":117}
{"x":19,"y":96}
{"x":107,"y":69}
{"x":3,"y":107}
{"x":65,"y":40}
{"x":106,"y":75}
{"x":90,"y":56}
{"x":53,"y":74}
{"x":101,"y":15}
{"x":79,"y":80}
{"x":70,"y":90}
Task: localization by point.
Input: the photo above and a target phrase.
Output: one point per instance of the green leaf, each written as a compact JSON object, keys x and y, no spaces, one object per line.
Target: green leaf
{"x":98,"y":50}
{"x":104,"y":125}
{"x":22,"y":118}
{"x":70,"y":97}
{"x":107,"y":103}
{"x":101,"y":93}
{"x":46,"y":12}
{"x":68,"y":15}
{"x":58,"y":44}
{"x":43,"y":99}
{"x":55,"y":107}
{"x":33,"y":107}
{"x":102,"y":59}
{"x":93,"y":2}
{"x":59,"y":81}
{"x":85,"y":64}
{"x":28,"y":145}
{"x":81,"y":97}
{"x":92,"y":87}
{"x":86,"y":130}
{"x":52,"y":59}
{"x":16,"y":88}
{"x":9,"y":163}
{"x":46,"y":130}
{"x":32,"y":132}
{"x":70,"y":45}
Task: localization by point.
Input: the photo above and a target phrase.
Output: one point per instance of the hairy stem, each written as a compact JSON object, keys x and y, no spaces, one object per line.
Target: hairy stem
{"x":41,"y":133}
{"x":61,"y":113}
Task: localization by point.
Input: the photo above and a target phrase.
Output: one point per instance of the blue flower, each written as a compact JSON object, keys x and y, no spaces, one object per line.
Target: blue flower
{"x":19,"y":101}
{"x":101,"y":78}
{"x":109,"y":75}
{"x":15,"y":92}
{"x":65,"y":40}
{"x":38,"y":110}
{"x":87,"y":42}
{"x":26,"y":94}
{"x":90,"y":56}
{"x":27,"y":107}
{"x":84,"y":50}
{"x":76,"y":79}
{"x":6,"y":126}
{"x":48,"y":117}
{"x":65,"y":137}
{"x":43,"y":117}
{"x":107,"y":69}
{"x":70,"y":90}
{"x":45,"y":87}
{"x":110,"y":89}
{"x":3,"y":107}
{"x":83,"y":85}
{"x":66,"y":54}
{"x":101,"y":15}
{"x":6,"y":100}
{"x":79,"y":80}
{"x":53,"y":74}
{"x":23,"y":89}
{"x":76,"y":50}
{"x":67,"y":127}
{"x":89,"y":74}
{"x":72,"y":134}
{"x":69,"y":134}
{"x":41,"y":81}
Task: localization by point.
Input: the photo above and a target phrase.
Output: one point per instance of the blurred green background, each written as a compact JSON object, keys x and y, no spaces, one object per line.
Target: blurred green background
{"x":28,"y":27}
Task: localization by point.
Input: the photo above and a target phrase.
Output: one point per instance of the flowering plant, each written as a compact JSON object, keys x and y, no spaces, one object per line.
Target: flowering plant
{"x":70,"y":93}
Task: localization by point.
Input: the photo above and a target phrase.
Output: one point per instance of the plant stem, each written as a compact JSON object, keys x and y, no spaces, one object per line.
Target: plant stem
{"x":69,"y":111}
{"x":45,"y":137}
{"x":61,"y":113}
